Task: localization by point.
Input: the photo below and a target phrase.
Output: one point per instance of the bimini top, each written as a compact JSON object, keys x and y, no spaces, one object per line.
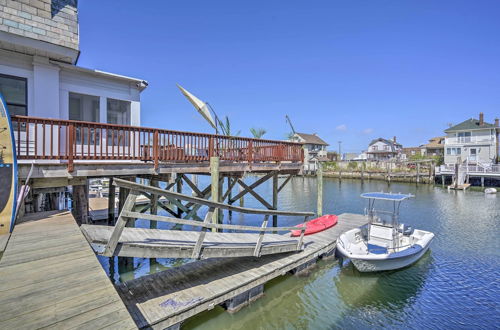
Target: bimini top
{"x":387,"y":196}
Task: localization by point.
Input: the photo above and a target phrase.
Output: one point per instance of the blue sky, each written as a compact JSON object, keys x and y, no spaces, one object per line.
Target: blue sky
{"x":347,"y":70}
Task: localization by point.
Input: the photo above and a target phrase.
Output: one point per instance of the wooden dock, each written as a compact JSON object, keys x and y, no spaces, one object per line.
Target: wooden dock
{"x":168,"y":298}
{"x":161,"y":243}
{"x":50,"y":277}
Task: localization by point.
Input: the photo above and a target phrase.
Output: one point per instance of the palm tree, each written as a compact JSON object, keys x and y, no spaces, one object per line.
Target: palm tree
{"x":258,"y":133}
{"x":226,"y":127}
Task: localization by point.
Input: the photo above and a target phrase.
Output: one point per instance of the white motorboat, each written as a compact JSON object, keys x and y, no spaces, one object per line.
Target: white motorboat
{"x":383,"y":244}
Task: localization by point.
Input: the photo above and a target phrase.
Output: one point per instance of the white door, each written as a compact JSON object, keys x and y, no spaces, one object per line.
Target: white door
{"x":473,"y":154}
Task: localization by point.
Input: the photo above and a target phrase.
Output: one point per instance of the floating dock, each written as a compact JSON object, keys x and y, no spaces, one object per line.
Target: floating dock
{"x":168,"y":298}
{"x":50,"y":277}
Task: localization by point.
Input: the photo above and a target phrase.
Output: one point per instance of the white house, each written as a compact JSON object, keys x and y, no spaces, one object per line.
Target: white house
{"x":39,"y":49}
{"x":314,"y":149}
{"x":473,"y":140}
{"x":384,"y":149}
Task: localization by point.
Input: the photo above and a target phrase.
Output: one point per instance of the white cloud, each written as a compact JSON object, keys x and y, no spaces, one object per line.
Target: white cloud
{"x":368,"y":131}
{"x":342,"y":128}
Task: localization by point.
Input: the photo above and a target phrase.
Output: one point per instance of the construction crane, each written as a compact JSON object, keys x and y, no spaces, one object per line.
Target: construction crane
{"x":290,"y":123}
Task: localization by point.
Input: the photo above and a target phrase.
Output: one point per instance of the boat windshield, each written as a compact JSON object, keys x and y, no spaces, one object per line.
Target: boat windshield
{"x":387,"y":196}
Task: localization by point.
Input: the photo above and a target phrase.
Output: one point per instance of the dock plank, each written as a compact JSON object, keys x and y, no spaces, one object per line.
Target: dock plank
{"x":56,"y":280}
{"x":169,"y":297}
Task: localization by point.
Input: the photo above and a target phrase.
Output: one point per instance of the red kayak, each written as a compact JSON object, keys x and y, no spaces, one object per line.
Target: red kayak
{"x":317,"y":225}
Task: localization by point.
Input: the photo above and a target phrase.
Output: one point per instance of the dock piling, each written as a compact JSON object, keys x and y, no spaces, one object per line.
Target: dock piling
{"x":320,"y":189}
{"x":214,"y":176}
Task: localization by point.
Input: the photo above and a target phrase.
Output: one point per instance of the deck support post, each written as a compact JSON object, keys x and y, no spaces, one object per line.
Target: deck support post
{"x":362,"y":171}
{"x":442,"y":179}
{"x":111,"y":202}
{"x":81,"y":204}
{"x":178,"y":188}
{"x":418,"y":173}
{"x":242,"y":198}
{"x":482,"y":181}
{"x":214,"y":176}
{"x":194,"y":180}
{"x":275,"y":198}
{"x":154,"y":203}
{"x":320,"y":189}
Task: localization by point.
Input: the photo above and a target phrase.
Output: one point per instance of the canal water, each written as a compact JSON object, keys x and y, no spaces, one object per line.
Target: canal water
{"x":455,"y":285}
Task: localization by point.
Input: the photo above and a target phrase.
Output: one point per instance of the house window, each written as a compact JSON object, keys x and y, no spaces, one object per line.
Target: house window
{"x":464,"y":137}
{"x":84,"y":108}
{"x":118,"y":112}
{"x":386,"y":147}
{"x":375,"y":148}
{"x":14,"y":92}
{"x":453,"y":151}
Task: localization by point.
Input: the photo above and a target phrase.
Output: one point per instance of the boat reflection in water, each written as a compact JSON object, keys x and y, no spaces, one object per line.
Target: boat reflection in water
{"x":385,"y":290}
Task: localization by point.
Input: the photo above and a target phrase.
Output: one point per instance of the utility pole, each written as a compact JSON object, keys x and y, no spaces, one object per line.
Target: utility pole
{"x":340,"y":150}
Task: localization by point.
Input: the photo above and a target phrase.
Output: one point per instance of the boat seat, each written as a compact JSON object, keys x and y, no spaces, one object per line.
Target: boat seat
{"x":381,"y":236}
{"x":376,"y":249}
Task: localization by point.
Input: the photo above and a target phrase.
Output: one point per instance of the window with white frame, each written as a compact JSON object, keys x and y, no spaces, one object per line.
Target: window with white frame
{"x":84,"y":107}
{"x":453,"y":151}
{"x":14,"y":90}
{"x":118,"y":112}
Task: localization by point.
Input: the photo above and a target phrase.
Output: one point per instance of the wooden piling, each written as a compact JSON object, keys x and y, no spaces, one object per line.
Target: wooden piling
{"x":320,"y":189}
{"x":111,"y":202}
{"x":418,"y":173}
{"x":275,"y":198}
{"x":81,"y":204}
{"x":214,"y":176}
{"x":242,"y":198}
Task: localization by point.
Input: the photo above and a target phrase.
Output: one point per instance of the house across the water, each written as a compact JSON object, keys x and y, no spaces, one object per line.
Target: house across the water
{"x":383,"y":149}
{"x":473,"y":141}
{"x":314,"y":149}
{"x":39,"y":75}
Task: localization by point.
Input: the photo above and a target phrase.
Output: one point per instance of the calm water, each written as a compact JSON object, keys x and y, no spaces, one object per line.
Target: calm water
{"x":455,"y":285}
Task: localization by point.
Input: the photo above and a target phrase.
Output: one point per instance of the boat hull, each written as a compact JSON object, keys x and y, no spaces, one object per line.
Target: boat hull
{"x":366,"y":261}
{"x":366,"y":266}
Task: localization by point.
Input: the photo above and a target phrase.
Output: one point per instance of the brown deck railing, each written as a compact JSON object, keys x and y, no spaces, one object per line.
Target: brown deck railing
{"x":42,"y":138}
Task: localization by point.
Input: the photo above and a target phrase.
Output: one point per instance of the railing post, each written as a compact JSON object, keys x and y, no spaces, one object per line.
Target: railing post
{"x":258,"y":246}
{"x":155,"y":149}
{"x":71,"y":146}
{"x":210,"y":147}
{"x":250,"y":151}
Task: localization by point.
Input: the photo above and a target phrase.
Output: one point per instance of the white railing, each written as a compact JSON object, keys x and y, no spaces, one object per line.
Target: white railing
{"x":469,"y":169}
{"x":470,"y":139}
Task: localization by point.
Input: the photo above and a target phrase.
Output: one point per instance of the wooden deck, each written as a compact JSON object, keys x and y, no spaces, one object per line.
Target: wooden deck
{"x":158,"y":243}
{"x":51,"y":278}
{"x":170,"y":297}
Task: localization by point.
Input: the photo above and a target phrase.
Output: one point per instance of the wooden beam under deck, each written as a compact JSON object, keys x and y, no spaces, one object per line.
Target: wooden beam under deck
{"x":111,"y":169}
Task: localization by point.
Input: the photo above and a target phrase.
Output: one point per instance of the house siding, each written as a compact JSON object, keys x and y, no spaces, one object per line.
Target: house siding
{"x":483,"y":141}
